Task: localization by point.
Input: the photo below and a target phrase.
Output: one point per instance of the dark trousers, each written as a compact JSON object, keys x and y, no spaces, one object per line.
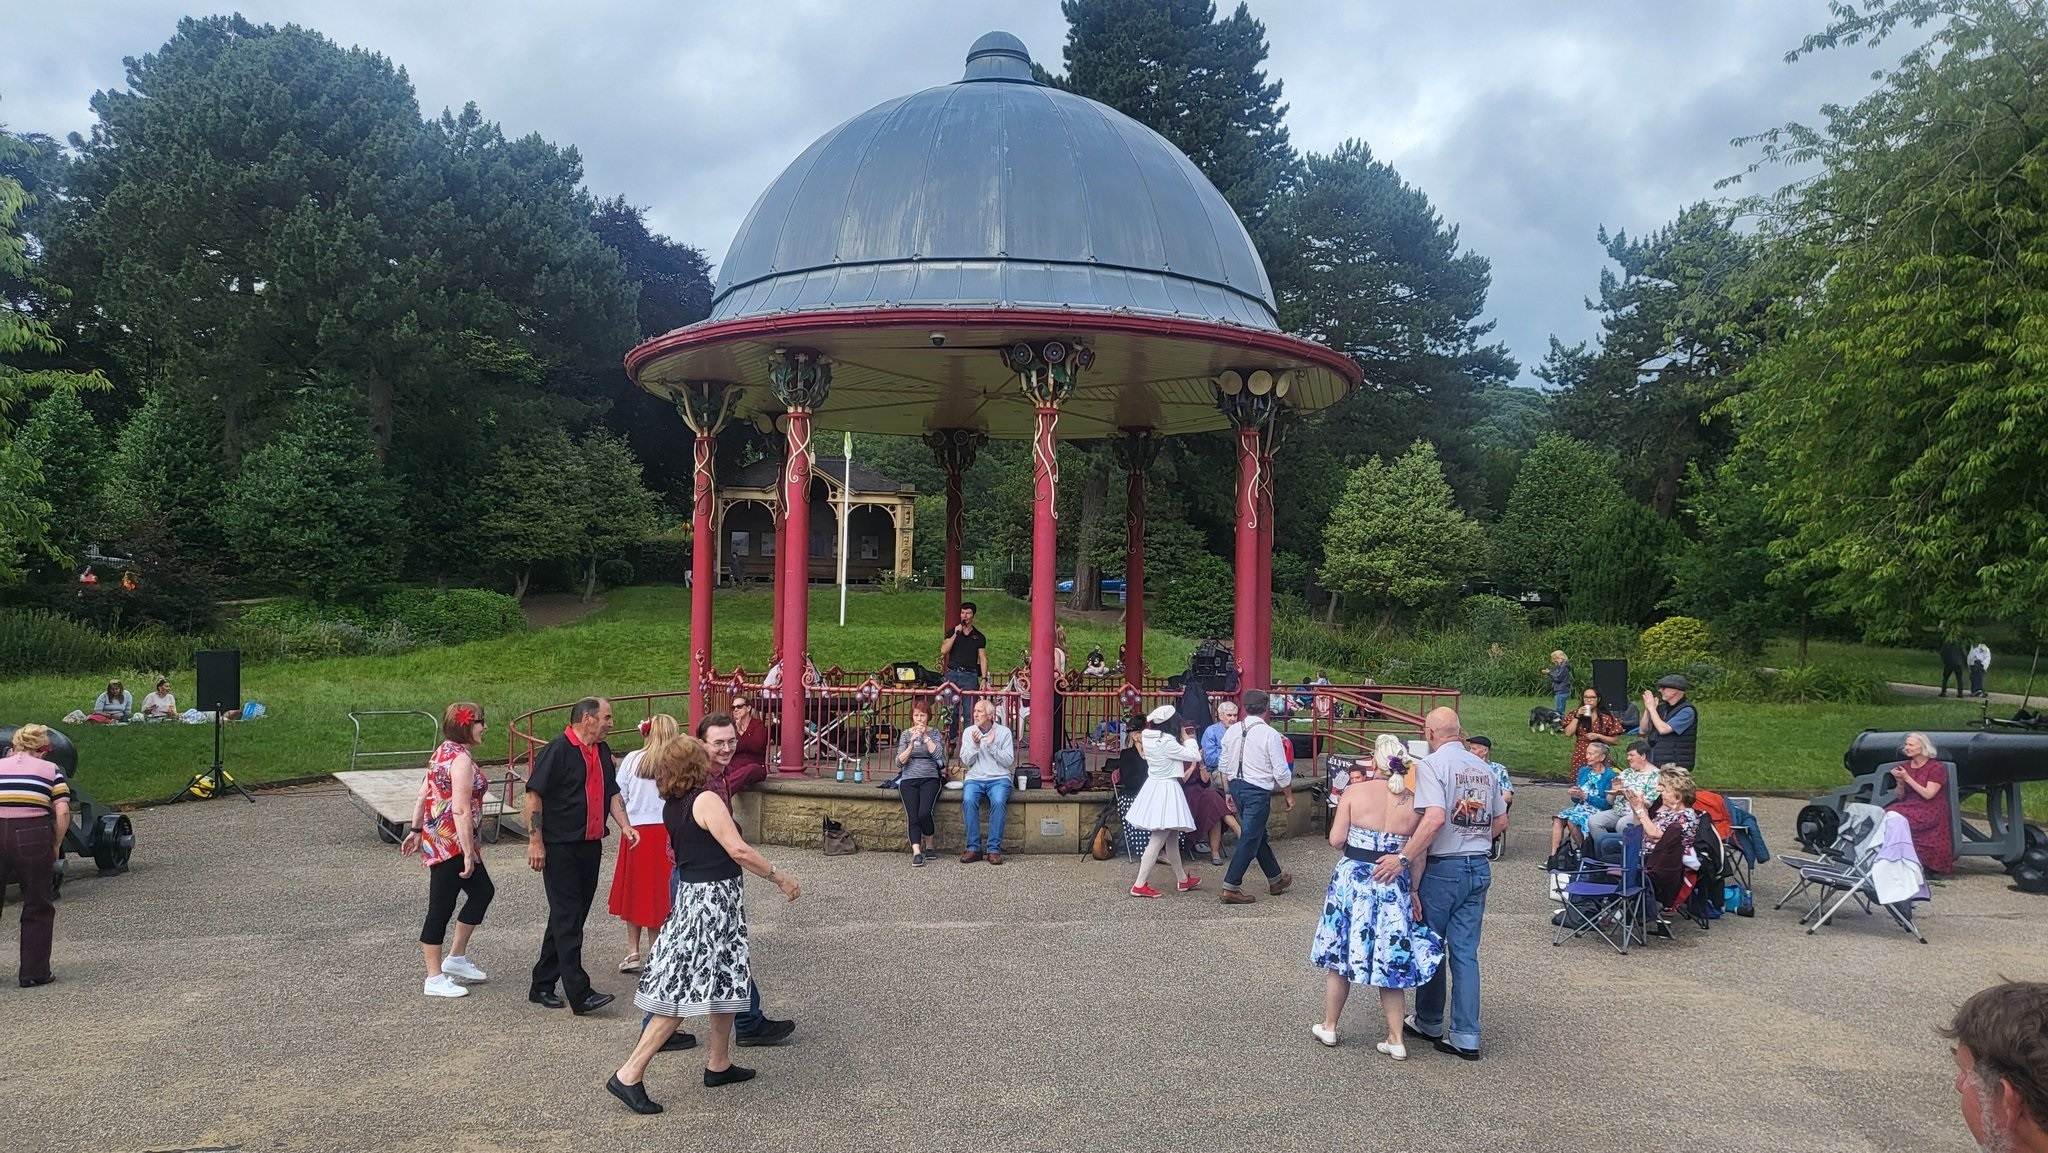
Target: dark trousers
{"x":570,"y":877}
{"x":747,"y":1021}
{"x":444,"y":882}
{"x":25,"y":859}
{"x":1948,"y":671}
{"x":966,"y":680}
{"x":919,"y":799}
{"x":1976,"y":679}
{"x":1253,"y":805}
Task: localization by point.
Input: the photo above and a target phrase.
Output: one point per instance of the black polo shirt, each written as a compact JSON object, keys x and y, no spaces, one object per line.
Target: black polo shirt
{"x":967,"y":648}
{"x":561,"y":780}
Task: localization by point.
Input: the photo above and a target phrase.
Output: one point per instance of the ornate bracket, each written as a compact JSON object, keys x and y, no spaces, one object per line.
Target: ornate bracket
{"x":1135,"y":449}
{"x":801,"y":378}
{"x":706,"y":405}
{"x":1048,"y":371}
{"x":954,"y":449}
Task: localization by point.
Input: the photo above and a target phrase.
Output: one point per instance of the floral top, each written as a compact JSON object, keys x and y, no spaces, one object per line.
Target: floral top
{"x":1595,"y":783}
{"x":1643,"y":781}
{"x":1684,"y":816}
{"x":438,"y":839}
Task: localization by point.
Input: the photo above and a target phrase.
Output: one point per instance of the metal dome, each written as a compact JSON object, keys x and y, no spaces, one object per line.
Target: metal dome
{"x":997,"y":192}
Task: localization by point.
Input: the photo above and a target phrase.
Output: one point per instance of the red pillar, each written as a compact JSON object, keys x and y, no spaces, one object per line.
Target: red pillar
{"x":1245,"y":629}
{"x":702,"y":576}
{"x":793,"y":591}
{"x":1134,"y":578}
{"x":1265,"y":601}
{"x":954,"y":499}
{"x":1045,"y":473}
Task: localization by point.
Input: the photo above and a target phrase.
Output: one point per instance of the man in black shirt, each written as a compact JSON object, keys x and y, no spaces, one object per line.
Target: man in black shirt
{"x":963,"y":657}
{"x":571,"y":791}
{"x":1951,"y":665}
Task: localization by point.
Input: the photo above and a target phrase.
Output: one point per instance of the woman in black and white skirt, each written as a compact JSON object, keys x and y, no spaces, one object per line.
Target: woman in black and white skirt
{"x":698,"y":964}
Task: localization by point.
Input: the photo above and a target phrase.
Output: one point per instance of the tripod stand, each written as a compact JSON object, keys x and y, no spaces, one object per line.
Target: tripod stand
{"x":215,"y":781}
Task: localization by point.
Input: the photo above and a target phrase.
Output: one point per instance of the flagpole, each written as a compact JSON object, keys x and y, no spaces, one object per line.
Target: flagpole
{"x":845,"y":509}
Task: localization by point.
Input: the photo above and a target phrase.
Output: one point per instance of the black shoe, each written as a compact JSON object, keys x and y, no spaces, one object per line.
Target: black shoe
{"x":32,"y":982}
{"x":1661,"y":930}
{"x":591,"y":1003}
{"x":677,"y":1042}
{"x":545,"y":998}
{"x":635,"y":1096}
{"x":731,"y":1074}
{"x":1409,"y":1030}
{"x":1443,"y":1046}
{"x":771,"y":1032}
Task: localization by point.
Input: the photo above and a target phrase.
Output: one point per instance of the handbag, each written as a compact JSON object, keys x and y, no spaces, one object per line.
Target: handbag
{"x":1103,"y":847}
{"x":835,"y":841}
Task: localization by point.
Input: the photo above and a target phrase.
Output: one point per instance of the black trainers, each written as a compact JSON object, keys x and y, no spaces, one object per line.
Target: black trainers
{"x":771,"y":1032}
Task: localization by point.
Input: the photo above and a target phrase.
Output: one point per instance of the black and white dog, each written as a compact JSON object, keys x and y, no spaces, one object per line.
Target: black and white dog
{"x":1545,"y":720}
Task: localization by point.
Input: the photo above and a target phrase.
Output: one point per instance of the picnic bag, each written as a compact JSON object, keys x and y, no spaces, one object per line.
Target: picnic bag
{"x":835,"y":840}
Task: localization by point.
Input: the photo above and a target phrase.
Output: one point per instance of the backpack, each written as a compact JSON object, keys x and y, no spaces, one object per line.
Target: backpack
{"x":1069,"y":771}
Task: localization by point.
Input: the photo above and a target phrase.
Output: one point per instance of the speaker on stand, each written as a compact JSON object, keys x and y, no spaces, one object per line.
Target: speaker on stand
{"x":1610,"y":680}
{"x":219,"y":673}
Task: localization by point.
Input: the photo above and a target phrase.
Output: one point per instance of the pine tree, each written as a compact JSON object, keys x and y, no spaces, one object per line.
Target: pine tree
{"x":1396,"y":538}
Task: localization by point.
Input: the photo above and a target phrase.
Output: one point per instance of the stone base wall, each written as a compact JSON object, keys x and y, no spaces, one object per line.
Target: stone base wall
{"x":792,"y":812}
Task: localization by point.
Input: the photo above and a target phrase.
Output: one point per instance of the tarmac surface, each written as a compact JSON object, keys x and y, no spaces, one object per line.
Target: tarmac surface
{"x":253,"y":983}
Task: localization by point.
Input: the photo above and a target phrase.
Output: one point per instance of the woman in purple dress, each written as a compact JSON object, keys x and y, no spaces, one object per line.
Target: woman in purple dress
{"x":1923,"y":800}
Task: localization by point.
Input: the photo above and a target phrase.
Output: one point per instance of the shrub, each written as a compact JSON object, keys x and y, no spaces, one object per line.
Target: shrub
{"x":662,"y":557}
{"x":1199,"y":601}
{"x":1017,"y":582}
{"x":1584,"y":641}
{"x":615,"y":573}
{"x":450,"y":616}
{"x":1673,"y":643}
{"x":1495,"y":620}
{"x":37,"y":641}
{"x":1825,"y":684}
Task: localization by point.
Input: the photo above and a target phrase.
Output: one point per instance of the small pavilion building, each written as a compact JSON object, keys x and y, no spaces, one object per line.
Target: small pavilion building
{"x":881,"y":523}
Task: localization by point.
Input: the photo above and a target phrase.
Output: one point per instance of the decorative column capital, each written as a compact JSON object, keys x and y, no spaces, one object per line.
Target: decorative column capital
{"x":954,"y":449}
{"x":1252,"y":398}
{"x":800,"y":377}
{"x":706,"y":405}
{"x":1135,"y":449}
{"x":1050,"y":370}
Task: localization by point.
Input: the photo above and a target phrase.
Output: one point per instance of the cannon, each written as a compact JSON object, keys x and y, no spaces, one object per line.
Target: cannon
{"x":1993,"y":765}
{"x":96,"y":830}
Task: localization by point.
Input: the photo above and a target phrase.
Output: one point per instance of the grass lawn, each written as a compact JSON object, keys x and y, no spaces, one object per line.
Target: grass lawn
{"x":640,"y":643}
{"x":2007,"y":674}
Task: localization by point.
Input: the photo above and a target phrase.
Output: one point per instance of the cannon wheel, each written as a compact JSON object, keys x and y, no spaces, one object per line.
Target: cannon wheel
{"x":57,"y":879}
{"x":2035,"y":838}
{"x":113,"y":842}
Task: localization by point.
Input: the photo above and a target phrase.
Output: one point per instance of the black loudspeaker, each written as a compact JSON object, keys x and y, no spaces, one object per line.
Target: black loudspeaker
{"x":1610,"y":680}
{"x":220,"y":680}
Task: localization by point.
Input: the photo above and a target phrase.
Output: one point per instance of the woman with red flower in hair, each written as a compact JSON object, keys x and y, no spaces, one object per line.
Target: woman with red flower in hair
{"x":444,"y":834}
{"x":640,"y":883}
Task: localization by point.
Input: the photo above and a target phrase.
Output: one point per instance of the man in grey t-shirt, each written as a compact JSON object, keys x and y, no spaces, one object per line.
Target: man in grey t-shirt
{"x":1462,"y":811}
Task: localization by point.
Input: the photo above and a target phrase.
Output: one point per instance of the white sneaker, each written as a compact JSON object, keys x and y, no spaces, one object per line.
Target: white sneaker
{"x":1326,"y":1036}
{"x":463,"y":968}
{"x":1397,"y":1052}
{"x":443,"y":985}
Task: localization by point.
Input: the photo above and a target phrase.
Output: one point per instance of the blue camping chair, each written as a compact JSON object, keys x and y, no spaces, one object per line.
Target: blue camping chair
{"x":1608,"y":901}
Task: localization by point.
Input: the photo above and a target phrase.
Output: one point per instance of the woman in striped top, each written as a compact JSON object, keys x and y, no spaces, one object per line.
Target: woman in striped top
{"x":35,"y":810}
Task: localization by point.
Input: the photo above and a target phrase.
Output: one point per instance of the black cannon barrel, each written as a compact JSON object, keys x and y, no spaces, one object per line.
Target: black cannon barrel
{"x":62,"y":754}
{"x":1983,"y":760}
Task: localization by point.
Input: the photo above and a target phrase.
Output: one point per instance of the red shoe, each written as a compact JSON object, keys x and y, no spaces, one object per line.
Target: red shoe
{"x":1189,"y":884}
{"x":1144,"y":891}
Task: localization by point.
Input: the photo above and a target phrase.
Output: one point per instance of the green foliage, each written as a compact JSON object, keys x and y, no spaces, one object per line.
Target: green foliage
{"x":664,"y":556}
{"x":1199,"y":598}
{"x":1017,"y":583}
{"x":168,"y":468}
{"x":1395,"y":539}
{"x":300,"y":628}
{"x":1495,"y":620}
{"x":71,"y":456}
{"x":1808,"y":684}
{"x":35,"y":641}
{"x":1622,"y":570}
{"x":529,"y":501}
{"x":1673,"y":643}
{"x":1900,"y":411}
{"x":615,"y":573}
{"x":613,"y":509}
{"x":451,"y":616}
{"x":1584,"y":641}
{"x":1563,"y":487}
{"x":312,"y":509}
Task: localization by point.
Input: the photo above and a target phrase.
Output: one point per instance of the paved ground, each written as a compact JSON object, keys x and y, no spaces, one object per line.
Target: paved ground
{"x":253,"y":984}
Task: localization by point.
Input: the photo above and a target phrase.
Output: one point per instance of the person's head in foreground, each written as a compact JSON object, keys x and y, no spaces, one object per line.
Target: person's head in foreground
{"x":2001,"y":1053}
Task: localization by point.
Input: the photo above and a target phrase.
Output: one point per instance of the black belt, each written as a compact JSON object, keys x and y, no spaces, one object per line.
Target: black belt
{"x":1366,"y":855}
{"x":1454,"y":857}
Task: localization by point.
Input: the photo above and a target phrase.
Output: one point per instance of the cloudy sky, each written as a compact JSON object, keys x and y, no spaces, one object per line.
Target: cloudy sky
{"x":1529,"y":125}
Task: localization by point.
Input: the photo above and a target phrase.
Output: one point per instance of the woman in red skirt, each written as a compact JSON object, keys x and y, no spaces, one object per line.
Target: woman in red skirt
{"x":640,"y":888}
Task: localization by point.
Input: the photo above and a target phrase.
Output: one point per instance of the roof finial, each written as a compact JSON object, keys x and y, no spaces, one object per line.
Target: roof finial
{"x":999,"y":56}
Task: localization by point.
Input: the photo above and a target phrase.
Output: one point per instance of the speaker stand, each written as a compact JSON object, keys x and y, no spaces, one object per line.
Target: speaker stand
{"x":216,"y":779}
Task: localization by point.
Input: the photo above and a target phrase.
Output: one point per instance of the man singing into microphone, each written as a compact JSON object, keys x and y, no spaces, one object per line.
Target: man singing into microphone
{"x":963,"y":656}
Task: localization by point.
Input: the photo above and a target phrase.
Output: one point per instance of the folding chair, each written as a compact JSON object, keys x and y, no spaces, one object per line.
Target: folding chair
{"x":1834,"y":861}
{"x":1601,"y":896}
{"x":1863,"y":883}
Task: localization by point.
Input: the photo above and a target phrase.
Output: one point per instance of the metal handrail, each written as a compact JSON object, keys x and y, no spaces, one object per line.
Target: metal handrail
{"x":356,"y":754}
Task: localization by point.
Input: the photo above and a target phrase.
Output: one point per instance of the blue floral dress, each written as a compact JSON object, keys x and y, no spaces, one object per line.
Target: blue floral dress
{"x":1368,"y":932}
{"x":1595,"y":784}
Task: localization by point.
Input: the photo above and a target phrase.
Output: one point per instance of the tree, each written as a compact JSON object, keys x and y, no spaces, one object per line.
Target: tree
{"x":1173,"y":67}
{"x":613,"y":509}
{"x":1396,"y":538}
{"x":312,"y":509}
{"x":1738,"y":572}
{"x":1563,"y":487}
{"x":1366,"y":266}
{"x":528,"y":506}
{"x":1676,"y":326}
{"x":1899,"y":414}
{"x":1621,"y":567}
{"x":71,"y":457}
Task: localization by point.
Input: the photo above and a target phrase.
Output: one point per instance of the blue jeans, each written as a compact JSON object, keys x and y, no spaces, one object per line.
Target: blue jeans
{"x":745,"y":1022}
{"x":1454,"y":903}
{"x":966,"y":682}
{"x":1253,"y":805}
{"x":998,"y":793}
{"x":1557,"y":702}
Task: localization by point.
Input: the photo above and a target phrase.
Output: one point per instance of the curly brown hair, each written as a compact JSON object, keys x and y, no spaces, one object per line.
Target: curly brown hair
{"x":678,"y":767}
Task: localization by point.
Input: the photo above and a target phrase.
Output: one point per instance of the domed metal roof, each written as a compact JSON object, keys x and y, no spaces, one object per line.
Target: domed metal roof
{"x":997,"y":192}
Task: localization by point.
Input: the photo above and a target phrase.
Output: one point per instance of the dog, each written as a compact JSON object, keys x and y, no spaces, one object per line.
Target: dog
{"x":1545,"y":720}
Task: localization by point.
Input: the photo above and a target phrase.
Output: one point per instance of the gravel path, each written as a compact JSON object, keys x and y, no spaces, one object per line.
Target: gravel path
{"x":253,"y":984}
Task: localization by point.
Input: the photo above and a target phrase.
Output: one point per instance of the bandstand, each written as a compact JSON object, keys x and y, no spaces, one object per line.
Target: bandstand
{"x":991,"y":259}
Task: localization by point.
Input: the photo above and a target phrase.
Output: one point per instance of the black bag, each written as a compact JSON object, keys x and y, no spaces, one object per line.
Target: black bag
{"x":1566,"y":859}
{"x":1069,"y":771}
